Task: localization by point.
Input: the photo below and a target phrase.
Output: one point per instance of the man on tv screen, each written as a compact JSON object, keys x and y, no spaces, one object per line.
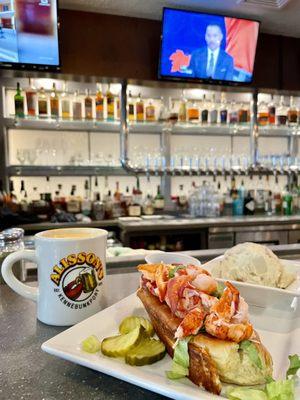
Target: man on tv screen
{"x":212,"y":61}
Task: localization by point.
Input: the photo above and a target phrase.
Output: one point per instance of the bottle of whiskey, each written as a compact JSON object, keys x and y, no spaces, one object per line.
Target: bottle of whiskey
{"x":213,"y":111}
{"x":99,"y":103}
{"x":118,"y":106}
{"x":263,"y":114}
{"x":148,"y":208}
{"x":150,"y":112}
{"x":19,"y":103}
{"x":204,"y":111}
{"x":281,"y":112}
{"x":73,"y":202}
{"x":292,"y":113}
{"x":54,"y":102}
{"x":182,"y":109}
{"x":193,"y":112}
{"x":243,"y":113}
{"x":77,"y":107}
{"x":42,"y":103}
{"x":86,"y":204}
{"x":159,"y":200}
{"x":98,"y":210}
{"x":130,"y":107}
{"x":272,"y":111}
{"x":140,"y":109}
{"x":233,"y":113}
{"x":88,"y":105}
{"x":110,"y":100}
{"x":223,"y":109}
{"x":65,"y":104}
{"x":135,"y":208}
{"x":31,"y":100}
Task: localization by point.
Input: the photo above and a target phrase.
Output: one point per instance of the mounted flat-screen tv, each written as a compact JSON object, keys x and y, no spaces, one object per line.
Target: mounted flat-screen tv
{"x":29,"y":34}
{"x":204,"y":47}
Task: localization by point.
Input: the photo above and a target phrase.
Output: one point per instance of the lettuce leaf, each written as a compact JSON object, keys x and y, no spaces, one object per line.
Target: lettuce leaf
{"x":252,"y":352}
{"x":294,"y":365}
{"x":281,"y":390}
{"x":181,"y":360}
{"x":246,"y":394}
{"x":173,"y":271}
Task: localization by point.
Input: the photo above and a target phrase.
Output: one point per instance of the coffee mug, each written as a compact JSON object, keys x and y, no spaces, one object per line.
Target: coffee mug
{"x":71,"y":271}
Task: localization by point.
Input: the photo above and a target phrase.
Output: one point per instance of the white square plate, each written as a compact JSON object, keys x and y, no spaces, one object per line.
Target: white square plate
{"x":279,"y":330}
{"x":266,"y":296}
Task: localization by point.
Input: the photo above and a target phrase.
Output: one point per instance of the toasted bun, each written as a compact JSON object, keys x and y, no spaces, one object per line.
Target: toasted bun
{"x":211,"y":359}
{"x":233,"y":364}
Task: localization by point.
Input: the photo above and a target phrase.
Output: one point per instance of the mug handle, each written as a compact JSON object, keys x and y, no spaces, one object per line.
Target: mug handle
{"x":27,"y":291}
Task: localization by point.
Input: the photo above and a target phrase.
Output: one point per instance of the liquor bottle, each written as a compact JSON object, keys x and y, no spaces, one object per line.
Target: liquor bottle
{"x":263,"y":114}
{"x":150,"y":112}
{"x":281,"y":112}
{"x":249,"y":203}
{"x":182,"y":110}
{"x":233,"y":113}
{"x":77,"y":107}
{"x":98,"y":209}
{"x":138,"y":193}
{"x":163,"y":112}
{"x":117,"y":194}
{"x":99,"y":103}
{"x":108,"y":206}
{"x":213,"y":111}
{"x":54,"y":102}
{"x":193,"y":112}
{"x":73,"y":202}
{"x":31,"y":100}
{"x":127,"y":197}
{"x":182,"y":198}
{"x":277,"y":198}
{"x":110,"y":100}
{"x":243,"y":113}
{"x":173,"y":112}
{"x":65,"y":104}
{"x":159,"y":200}
{"x":86,"y":204}
{"x":223,"y":109}
{"x":292,"y":113}
{"x":23,"y":198}
{"x":118,"y":107}
{"x":130,"y":107}
{"x":287,"y":202}
{"x":134,"y":209}
{"x":238,"y":201}
{"x":272,"y":111}
{"x":19,"y":103}
{"x":88,"y":105}
{"x":140,"y":109}
{"x":148,"y":208}
{"x":204,"y":111}
{"x":295,"y":198}
{"x":42,"y":103}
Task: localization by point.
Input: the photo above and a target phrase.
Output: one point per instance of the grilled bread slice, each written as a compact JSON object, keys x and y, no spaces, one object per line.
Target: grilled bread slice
{"x":202,"y":370}
{"x":211,"y":360}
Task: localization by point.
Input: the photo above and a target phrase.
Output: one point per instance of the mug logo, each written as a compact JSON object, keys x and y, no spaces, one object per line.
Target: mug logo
{"x":77,"y":278}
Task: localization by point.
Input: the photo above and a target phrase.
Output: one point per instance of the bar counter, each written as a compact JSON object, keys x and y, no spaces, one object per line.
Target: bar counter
{"x":174,"y":223}
{"x":29,"y":373}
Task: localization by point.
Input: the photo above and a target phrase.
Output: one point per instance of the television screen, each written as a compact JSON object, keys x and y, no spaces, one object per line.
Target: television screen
{"x":28,"y":33}
{"x":207,"y":47}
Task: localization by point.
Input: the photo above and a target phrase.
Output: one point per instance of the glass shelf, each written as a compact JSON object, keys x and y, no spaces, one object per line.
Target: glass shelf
{"x":65,"y":170}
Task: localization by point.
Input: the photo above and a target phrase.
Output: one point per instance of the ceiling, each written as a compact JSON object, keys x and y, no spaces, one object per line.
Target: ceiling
{"x":284,"y":21}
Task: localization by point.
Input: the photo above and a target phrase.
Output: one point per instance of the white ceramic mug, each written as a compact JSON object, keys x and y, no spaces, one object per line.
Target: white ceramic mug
{"x":71,"y":271}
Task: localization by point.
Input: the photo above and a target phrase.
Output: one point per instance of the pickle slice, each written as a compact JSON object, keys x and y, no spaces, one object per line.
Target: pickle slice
{"x":130,"y":323}
{"x":91,"y":344}
{"x":148,"y":351}
{"x":118,"y":346}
